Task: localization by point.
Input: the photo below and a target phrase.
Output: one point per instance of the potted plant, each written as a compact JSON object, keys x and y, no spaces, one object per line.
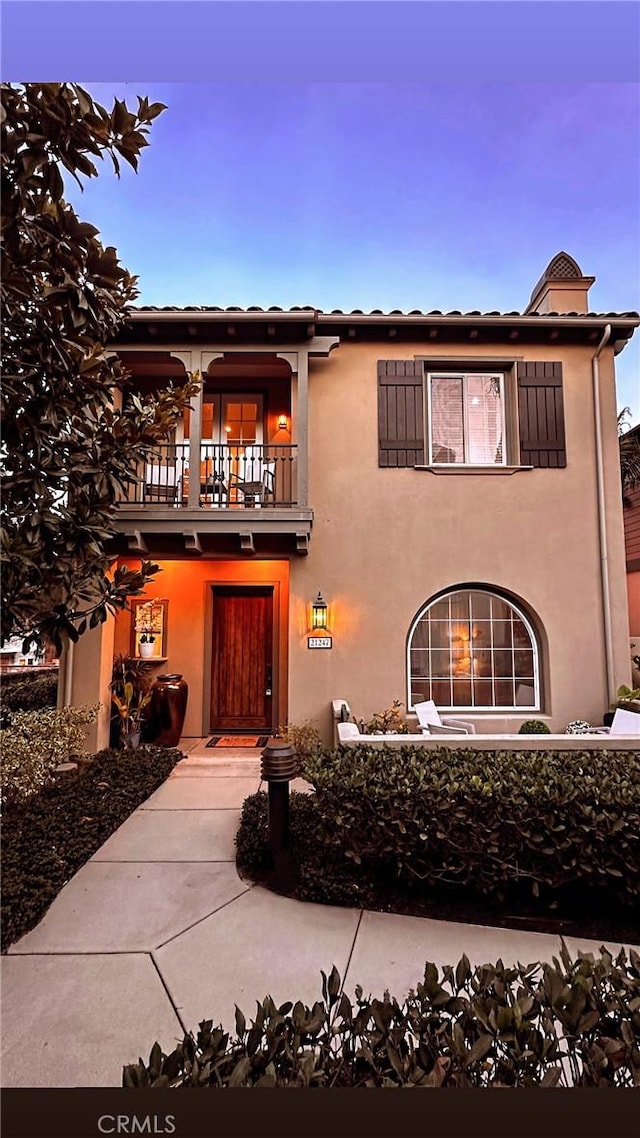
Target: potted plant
{"x":534,"y":727}
{"x":147,"y":645}
{"x":388,"y":722}
{"x":130,"y":694}
{"x":626,"y":698}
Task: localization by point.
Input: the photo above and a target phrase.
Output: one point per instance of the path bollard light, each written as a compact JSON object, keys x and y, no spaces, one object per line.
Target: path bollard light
{"x":279,"y":765}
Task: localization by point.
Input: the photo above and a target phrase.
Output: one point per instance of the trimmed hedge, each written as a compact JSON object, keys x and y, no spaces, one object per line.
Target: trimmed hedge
{"x":316,"y":867}
{"x":47,"y":838}
{"x":572,"y":1023}
{"x":31,"y":693}
{"x":540,"y":820}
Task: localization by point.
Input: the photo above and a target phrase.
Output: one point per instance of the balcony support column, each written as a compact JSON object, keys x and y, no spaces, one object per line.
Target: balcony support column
{"x":195,"y":435}
{"x":299,"y":364}
{"x":302,"y":433}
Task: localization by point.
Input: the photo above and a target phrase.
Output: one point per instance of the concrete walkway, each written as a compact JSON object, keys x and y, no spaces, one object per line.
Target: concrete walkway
{"x":157,"y":932}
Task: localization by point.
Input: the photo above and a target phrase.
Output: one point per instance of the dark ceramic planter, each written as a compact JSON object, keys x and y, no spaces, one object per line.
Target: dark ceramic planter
{"x":168,"y":708}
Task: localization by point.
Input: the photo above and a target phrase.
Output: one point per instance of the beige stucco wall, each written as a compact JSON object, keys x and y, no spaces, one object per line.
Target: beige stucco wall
{"x":386,"y":540}
{"x":90,"y":665}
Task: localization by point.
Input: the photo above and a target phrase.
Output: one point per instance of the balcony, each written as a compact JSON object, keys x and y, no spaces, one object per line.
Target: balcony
{"x":242,"y":496}
{"x":231,"y":477}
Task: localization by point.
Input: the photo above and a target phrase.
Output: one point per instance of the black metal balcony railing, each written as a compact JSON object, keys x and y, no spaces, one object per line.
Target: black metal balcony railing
{"x":230,"y":477}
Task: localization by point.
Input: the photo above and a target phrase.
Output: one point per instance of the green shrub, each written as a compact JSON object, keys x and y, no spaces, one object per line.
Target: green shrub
{"x":571,"y":1022}
{"x":534,"y":727}
{"x":36,"y":742}
{"x":318,"y":874}
{"x":33,"y":693}
{"x":50,"y":835}
{"x":492,"y":821}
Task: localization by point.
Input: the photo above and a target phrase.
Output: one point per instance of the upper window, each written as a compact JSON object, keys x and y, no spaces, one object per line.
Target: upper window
{"x":473,"y":649}
{"x":466,"y":420}
{"x":474,"y":416}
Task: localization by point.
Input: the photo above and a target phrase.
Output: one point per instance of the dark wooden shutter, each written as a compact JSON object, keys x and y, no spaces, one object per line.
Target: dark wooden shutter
{"x":400,"y":412}
{"x":541,"y":415}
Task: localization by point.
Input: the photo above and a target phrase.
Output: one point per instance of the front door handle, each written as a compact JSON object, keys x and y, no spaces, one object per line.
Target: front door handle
{"x":269,"y":680}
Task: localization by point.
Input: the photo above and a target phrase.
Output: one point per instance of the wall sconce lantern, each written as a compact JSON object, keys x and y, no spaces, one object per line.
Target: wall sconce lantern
{"x":319,"y":613}
{"x":283,"y":423}
{"x":319,"y":637}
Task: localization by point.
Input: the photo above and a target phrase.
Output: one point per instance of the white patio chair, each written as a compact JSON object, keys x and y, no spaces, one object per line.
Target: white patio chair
{"x":432,"y":723}
{"x":347,"y":731}
{"x":624,"y":723}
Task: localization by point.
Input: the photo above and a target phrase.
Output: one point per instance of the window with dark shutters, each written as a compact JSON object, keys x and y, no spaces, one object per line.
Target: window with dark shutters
{"x":400,"y":412}
{"x":541,"y":415}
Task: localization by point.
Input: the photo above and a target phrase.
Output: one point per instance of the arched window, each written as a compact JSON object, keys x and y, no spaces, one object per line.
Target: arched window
{"x":474,"y":649}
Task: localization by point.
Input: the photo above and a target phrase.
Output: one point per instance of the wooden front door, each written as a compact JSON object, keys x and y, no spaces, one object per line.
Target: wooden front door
{"x":242,"y":661}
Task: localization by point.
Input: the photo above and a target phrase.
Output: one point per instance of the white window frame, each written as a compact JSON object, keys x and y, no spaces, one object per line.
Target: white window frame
{"x":484,"y":708}
{"x":464,"y":376}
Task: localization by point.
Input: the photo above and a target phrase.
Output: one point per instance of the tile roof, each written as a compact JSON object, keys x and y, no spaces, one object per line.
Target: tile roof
{"x":318,"y":313}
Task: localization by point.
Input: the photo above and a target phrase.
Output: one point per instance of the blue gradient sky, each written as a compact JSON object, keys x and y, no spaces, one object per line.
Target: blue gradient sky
{"x":373,"y":195}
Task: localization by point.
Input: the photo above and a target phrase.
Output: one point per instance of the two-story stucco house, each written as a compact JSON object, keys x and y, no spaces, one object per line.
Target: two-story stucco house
{"x":450,"y":482}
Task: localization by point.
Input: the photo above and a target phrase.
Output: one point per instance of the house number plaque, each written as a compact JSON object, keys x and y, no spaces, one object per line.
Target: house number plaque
{"x":319,"y":642}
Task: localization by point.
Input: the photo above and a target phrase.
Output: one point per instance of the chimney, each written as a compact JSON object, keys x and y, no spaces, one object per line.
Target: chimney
{"x":561,"y":288}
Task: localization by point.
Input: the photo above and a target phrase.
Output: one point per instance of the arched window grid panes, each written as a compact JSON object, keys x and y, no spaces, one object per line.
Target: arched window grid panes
{"x":473,"y":650}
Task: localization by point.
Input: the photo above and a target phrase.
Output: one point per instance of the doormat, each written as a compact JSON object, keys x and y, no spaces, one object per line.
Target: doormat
{"x":238,"y":741}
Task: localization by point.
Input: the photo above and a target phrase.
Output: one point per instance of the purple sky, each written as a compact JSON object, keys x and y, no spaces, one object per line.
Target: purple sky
{"x":420,"y":195}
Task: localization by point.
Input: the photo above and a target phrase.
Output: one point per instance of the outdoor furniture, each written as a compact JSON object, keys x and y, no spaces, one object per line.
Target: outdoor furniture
{"x":259,"y":486}
{"x":214,"y":490}
{"x":350,"y":733}
{"x":160,"y":484}
{"x":624,"y":723}
{"x":432,"y":723}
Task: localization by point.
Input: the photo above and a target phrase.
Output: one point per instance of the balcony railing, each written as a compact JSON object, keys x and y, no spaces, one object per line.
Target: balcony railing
{"x":230,"y":477}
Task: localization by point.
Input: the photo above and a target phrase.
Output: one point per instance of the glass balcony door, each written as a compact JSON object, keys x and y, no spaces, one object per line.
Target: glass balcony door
{"x":232,"y":420}
{"x":232,"y":437}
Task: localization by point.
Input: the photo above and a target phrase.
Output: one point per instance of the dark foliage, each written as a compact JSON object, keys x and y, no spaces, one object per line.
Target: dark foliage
{"x":570,"y":1022}
{"x":537,"y":822}
{"x":544,"y":840}
{"x":32,"y":693}
{"x":320,"y":872}
{"x":48,"y":838}
{"x":70,"y":445}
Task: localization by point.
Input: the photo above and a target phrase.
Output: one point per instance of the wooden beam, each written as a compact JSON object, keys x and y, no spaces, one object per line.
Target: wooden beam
{"x":192,"y":541}
{"x":136,"y":542}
